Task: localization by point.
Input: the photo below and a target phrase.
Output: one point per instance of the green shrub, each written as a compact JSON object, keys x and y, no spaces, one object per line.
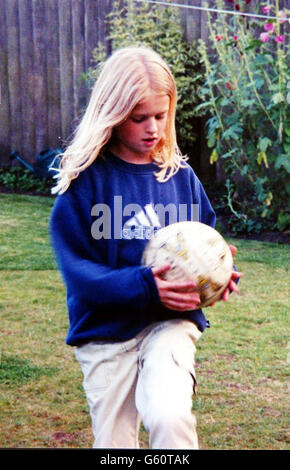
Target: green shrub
{"x":248,"y":129}
{"x":159,"y":28}
{"x":21,"y":179}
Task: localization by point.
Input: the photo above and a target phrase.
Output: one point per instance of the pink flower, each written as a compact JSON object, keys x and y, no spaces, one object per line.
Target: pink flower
{"x":237,"y":7}
{"x":219,"y":37}
{"x":280,"y":38}
{"x":235,"y":38}
{"x":266,"y":9}
{"x":269,"y":27}
{"x":229,"y":86}
{"x":264,"y":37}
{"x":248,"y":1}
{"x":282,"y":15}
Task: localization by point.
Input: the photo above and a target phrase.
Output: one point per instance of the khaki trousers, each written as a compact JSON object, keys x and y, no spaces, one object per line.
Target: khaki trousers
{"x":149,"y":378}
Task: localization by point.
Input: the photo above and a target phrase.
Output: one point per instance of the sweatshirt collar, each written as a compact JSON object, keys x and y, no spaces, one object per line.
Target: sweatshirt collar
{"x":130,"y":167}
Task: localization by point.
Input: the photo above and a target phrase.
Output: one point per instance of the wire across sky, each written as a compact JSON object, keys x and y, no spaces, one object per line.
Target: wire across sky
{"x":212,"y":10}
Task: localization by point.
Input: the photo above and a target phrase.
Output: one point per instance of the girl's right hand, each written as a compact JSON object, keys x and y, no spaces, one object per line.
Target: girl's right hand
{"x":180,"y":296}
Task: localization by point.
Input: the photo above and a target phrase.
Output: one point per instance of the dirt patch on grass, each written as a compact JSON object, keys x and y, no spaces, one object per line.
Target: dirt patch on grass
{"x":63,"y":437}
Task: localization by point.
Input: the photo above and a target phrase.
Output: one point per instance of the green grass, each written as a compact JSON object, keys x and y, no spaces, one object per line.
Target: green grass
{"x":14,"y":370}
{"x":241,"y":361}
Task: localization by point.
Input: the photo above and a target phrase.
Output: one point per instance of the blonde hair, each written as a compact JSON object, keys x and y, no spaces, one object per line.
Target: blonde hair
{"x":123,"y":82}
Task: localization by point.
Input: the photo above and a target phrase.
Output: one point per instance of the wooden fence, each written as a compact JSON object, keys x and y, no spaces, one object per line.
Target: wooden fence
{"x":45,"y":46}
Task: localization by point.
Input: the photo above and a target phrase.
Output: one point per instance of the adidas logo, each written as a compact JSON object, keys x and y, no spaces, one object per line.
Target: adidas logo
{"x":143,"y":225}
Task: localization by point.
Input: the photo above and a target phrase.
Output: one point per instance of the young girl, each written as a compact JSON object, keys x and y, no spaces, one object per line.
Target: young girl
{"x":121,"y":179}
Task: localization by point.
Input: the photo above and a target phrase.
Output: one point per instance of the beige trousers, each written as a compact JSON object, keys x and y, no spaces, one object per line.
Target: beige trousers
{"x":149,"y":378}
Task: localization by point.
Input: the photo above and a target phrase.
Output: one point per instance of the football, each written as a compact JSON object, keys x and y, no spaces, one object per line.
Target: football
{"x":195,"y":251}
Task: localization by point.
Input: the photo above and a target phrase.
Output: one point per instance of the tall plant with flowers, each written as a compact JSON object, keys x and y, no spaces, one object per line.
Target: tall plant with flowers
{"x":245,"y":97}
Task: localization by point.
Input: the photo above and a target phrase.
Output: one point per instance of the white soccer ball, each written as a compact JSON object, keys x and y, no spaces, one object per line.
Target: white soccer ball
{"x":195,"y":251}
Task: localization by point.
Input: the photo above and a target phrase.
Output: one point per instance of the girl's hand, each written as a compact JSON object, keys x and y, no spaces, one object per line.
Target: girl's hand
{"x":180,"y":296}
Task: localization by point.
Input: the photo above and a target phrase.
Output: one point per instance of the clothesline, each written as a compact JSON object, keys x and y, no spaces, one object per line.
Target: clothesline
{"x":213,"y":10}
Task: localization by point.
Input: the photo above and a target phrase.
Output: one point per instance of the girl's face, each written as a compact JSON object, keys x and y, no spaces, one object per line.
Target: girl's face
{"x":136,"y":138}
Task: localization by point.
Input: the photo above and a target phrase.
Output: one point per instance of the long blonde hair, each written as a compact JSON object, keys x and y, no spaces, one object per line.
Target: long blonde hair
{"x":123,"y":82}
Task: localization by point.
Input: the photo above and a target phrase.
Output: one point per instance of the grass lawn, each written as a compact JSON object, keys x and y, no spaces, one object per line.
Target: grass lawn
{"x":242,"y":365}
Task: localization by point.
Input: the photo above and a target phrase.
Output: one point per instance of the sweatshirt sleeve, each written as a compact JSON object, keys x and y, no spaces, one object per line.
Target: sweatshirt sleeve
{"x":80,"y":262}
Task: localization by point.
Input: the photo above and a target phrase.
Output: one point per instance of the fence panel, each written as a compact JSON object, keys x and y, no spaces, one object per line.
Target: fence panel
{"x":4,"y":91}
{"x":46,"y":46}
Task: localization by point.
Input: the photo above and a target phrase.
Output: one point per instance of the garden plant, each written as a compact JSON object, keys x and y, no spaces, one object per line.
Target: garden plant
{"x":245,"y":98}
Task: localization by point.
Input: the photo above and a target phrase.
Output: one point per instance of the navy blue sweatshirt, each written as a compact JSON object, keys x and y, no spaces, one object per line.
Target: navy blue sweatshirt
{"x":99,"y":228}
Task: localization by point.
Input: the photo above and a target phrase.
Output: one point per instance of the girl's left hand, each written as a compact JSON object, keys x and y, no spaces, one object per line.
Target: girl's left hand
{"x":232,"y":286}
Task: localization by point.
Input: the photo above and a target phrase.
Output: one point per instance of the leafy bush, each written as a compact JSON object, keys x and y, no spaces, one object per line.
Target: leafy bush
{"x":159,"y":28}
{"x":21,"y":179}
{"x":248,"y":129}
